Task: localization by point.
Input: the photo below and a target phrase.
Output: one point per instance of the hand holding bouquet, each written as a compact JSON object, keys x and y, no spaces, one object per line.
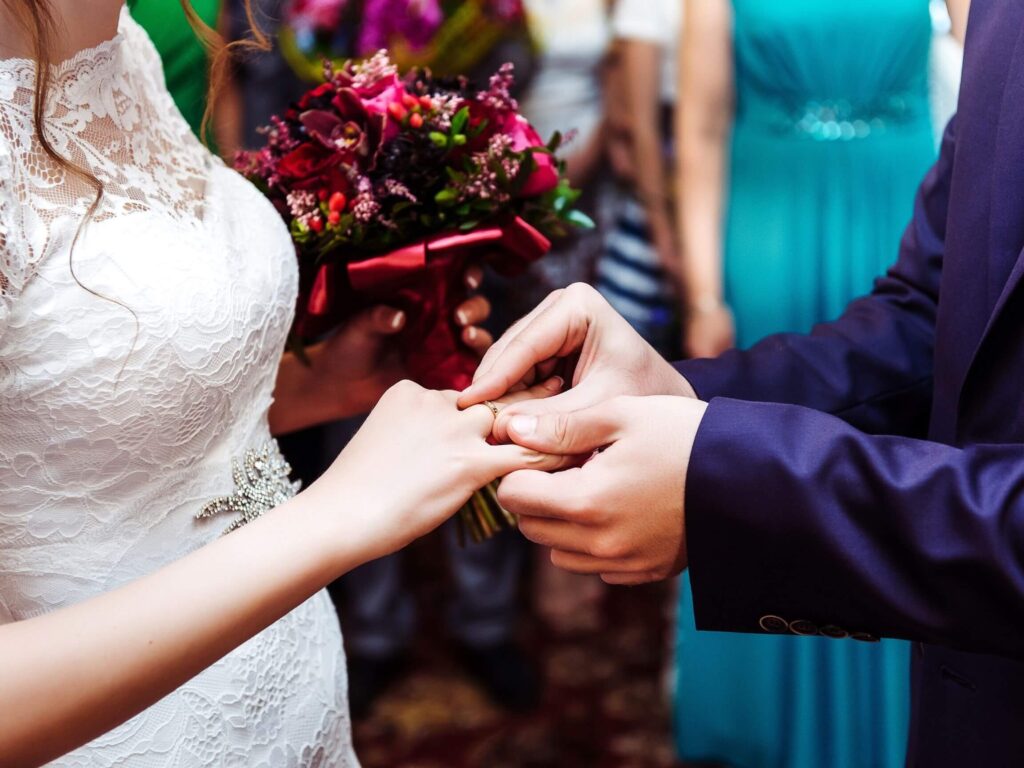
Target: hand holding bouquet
{"x":391,"y":186}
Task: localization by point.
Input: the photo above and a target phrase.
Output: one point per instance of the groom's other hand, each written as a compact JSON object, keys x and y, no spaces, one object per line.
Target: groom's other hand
{"x":577,"y":331}
{"x":621,"y":513}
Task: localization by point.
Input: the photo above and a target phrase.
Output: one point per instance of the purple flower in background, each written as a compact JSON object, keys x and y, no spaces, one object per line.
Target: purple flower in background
{"x":413,"y":21}
{"x":506,"y":10}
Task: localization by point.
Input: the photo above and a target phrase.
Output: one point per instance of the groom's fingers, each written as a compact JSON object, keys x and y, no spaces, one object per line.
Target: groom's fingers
{"x":589,"y":393}
{"x":630,"y":578}
{"x":558,"y":330}
{"x":504,"y":460}
{"x":611,"y":571}
{"x":547,"y":389}
{"x":499,"y":346}
{"x":573,"y":559}
{"x":563,"y":495}
{"x":550,"y":533}
{"x":569,"y":432}
{"x":484,"y":417}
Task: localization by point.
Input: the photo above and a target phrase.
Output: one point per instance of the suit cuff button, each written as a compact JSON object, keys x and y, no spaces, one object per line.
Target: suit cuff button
{"x":775,"y":625}
{"x":863,"y":637}
{"x":836,"y":633}
{"x":803,"y":627}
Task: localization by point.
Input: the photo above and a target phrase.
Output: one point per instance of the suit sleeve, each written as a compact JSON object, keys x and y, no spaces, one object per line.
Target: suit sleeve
{"x":873,"y":366}
{"x":794,"y":513}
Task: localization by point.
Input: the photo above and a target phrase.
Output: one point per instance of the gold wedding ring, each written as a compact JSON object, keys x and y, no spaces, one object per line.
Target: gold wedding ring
{"x":493,"y":407}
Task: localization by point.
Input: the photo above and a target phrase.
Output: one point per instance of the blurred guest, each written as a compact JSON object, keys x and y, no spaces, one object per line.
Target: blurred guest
{"x":804,"y":129}
{"x":639,"y":253}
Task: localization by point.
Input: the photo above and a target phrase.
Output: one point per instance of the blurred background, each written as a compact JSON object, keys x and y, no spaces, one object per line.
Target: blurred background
{"x":750,"y":166}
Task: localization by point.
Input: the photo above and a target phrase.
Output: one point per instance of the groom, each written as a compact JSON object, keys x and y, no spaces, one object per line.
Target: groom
{"x":864,"y":481}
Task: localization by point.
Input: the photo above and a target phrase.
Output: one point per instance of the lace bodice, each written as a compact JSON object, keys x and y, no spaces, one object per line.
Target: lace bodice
{"x":134,"y":367}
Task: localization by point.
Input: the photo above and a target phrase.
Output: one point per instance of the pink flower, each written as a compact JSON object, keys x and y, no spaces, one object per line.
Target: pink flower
{"x":524,"y":136}
{"x":378,"y":97}
{"x":383,"y":95}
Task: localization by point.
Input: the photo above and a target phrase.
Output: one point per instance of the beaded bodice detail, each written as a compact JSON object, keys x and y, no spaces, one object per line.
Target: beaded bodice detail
{"x":831,"y":72}
{"x":135,"y":367}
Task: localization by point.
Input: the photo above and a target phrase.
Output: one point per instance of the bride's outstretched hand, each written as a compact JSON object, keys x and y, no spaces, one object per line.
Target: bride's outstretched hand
{"x":416,"y":460}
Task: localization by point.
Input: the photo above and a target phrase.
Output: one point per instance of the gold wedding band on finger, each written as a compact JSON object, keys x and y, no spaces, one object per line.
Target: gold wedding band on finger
{"x":492,"y":407}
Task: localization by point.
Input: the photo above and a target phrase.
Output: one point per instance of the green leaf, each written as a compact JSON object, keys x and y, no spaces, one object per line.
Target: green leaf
{"x":459,"y":121}
{"x":446,"y":196}
{"x":438,"y":138}
{"x":580,"y":219}
{"x":480,"y":128}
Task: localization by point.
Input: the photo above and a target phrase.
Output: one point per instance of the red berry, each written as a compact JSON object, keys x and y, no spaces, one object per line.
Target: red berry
{"x":426,"y":102}
{"x":409,"y":100}
{"x":333,"y":218}
{"x":316,"y":224}
{"x":397,"y":111}
{"x":322,"y":194}
{"x":416,"y":120}
{"x":337,"y":202}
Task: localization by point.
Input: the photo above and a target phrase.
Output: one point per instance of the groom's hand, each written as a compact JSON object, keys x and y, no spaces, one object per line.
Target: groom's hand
{"x":572,"y":327}
{"x":621,"y":513}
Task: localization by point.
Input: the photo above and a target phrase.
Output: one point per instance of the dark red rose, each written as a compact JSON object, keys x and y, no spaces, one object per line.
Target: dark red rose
{"x":310,"y":97}
{"x":305,"y":162}
{"x":490,"y":120}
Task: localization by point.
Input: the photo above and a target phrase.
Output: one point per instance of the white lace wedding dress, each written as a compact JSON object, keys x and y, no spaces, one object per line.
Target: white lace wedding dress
{"x":134,"y":369}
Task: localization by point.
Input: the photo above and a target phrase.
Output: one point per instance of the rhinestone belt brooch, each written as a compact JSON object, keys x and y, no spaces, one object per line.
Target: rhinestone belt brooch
{"x":261,"y":483}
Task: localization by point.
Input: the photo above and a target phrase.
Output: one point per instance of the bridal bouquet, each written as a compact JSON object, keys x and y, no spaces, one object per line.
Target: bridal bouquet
{"x":449,"y":36}
{"x":391,"y":186}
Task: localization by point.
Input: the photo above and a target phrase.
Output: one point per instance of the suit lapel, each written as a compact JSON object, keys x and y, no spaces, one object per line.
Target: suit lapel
{"x":1003,"y":251}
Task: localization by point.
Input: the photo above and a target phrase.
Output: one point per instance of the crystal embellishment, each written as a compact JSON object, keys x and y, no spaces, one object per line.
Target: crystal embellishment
{"x":261,"y":483}
{"x":843,"y":120}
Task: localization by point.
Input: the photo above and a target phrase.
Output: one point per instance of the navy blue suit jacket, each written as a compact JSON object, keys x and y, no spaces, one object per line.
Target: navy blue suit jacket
{"x":867,"y":480}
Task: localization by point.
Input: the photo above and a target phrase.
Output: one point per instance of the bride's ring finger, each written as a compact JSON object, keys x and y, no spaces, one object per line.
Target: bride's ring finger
{"x":483,"y":416}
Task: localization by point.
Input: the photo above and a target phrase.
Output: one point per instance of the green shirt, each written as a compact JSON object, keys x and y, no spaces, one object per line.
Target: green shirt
{"x":186,"y":65}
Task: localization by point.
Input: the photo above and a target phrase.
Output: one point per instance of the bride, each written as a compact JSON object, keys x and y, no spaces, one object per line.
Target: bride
{"x":145,"y":294}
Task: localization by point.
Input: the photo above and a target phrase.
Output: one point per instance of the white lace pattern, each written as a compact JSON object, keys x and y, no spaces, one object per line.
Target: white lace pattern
{"x":133,"y":369}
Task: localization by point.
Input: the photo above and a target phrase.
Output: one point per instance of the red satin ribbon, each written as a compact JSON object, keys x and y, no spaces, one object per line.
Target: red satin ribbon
{"x":424,"y":279}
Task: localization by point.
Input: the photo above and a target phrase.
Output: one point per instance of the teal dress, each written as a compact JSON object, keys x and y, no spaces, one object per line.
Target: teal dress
{"x":832,"y":135}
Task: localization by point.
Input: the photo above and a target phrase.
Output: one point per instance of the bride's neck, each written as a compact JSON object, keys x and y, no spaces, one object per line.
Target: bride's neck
{"x":79,"y":25}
